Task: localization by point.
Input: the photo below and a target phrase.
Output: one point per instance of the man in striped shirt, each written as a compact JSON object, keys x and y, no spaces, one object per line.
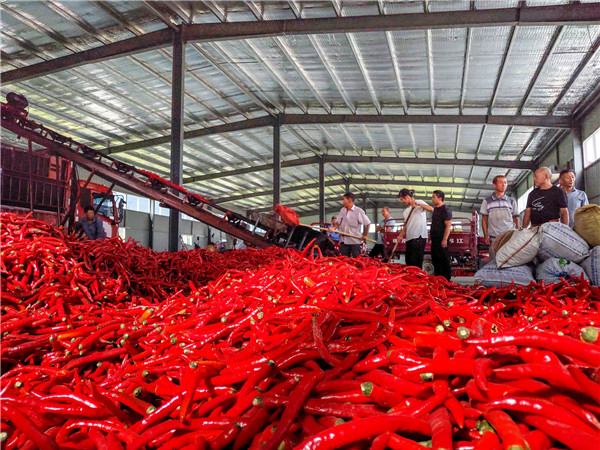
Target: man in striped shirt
{"x":499,"y":211}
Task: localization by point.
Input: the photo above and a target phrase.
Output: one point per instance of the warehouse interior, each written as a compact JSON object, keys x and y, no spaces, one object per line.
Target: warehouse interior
{"x":170,"y":273}
{"x":251,"y":104}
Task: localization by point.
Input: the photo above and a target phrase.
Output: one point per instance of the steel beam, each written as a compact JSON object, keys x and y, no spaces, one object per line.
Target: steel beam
{"x":217,"y":129}
{"x":335,"y":210}
{"x":177,"y":102}
{"x":587,"y":104}
{"x":356,"y":181}
{"x":252,"y":169}
{"x":540,"y":67}
{"x":576,"y":14}
{"x":559,"y":122}
{"x":573,"y":14}
{"x":594,"y":49}
{"x":149,"y":41}
{"x":507,"y":164}
{"x":516,"y":121}
{"x":369,"y":196}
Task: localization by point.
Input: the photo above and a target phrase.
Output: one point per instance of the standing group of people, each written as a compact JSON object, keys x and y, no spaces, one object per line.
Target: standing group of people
{"x":352,"y":220}
{"x":546,"y":203}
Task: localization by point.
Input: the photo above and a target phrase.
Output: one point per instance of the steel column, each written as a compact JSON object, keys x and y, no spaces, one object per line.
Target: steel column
{"x":578,"y":161}
{"x":30,"y":171}
{"x":321,"y":189}
{"x":177,"y":100}
{"x":375,"y":212}
{"x":276,"y":162}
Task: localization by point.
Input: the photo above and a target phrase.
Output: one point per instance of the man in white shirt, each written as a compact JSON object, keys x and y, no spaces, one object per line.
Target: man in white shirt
{"x":575,"y":198}
{"x":415,"y":227}
{"x":351,"y":220}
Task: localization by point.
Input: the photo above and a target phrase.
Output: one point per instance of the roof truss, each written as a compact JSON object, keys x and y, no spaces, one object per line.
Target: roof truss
{"x":572,"y":14}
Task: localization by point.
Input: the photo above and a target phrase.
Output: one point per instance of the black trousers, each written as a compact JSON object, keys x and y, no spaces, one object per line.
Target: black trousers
{"x":350,"y":250}
{"x":440,"y":259}
{"x":376,"y":251}
{"x":415,"y":250}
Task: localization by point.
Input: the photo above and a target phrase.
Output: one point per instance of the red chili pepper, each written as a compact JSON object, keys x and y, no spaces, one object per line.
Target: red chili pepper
{"x":562,"y":432}
{"x":537,"y":440}
{"x":441,"y":429}
{"x":506,"y":428}
{"x":297,"y":398}
{"x":542,"y":407}
{"x":356,"y":430}
{"x":580,"y":350}
{"x":25,"y":424}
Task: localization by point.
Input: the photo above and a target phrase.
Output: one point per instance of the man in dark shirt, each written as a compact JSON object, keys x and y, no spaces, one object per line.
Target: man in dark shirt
{"x":546,"y":203}
{"x":91,"y":224}
{"x":441,"y":221}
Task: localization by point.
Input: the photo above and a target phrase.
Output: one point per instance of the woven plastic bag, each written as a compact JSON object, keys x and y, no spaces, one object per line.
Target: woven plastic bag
{"x":591,"y":265}
{"x":559,"y":241}
{"x":586,"y":224}
{"x":553,"y":269}
{"x":521,"y":248}
{"x":489,"y":275}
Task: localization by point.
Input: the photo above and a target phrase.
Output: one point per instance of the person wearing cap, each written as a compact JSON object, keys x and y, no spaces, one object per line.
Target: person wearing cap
{"x":546,"y":203}
{"x":384,"y":226}
{"x":415,"y":227}
{"x":351,"y":220}
{"x":91,"y":224}
{"x":499,"y":212}
{"x":575,"y":197}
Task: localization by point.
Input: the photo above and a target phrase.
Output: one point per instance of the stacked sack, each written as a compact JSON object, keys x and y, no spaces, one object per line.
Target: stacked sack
{"x":587,"y":225}
{"x":555,"y":248}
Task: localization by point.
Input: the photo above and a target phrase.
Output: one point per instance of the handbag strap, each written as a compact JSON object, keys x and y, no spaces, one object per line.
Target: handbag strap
{"x":412,"y":208}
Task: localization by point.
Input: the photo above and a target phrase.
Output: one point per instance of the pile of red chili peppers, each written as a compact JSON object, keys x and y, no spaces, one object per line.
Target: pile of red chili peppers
{"x":273,"y":349}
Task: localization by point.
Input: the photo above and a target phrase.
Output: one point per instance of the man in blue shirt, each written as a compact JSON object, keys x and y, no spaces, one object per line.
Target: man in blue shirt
{"x":384,"y":226}
{"x":91,"y":224}
{"x":575,"y":198}
{"x":335,"y":237}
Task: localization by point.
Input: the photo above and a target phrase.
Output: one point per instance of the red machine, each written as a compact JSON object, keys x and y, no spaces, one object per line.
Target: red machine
{"x":42,"y":184}
{"x":466,"y":249}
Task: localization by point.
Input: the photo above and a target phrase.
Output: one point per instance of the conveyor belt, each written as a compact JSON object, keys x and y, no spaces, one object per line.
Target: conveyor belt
{"x":141,"y":182}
